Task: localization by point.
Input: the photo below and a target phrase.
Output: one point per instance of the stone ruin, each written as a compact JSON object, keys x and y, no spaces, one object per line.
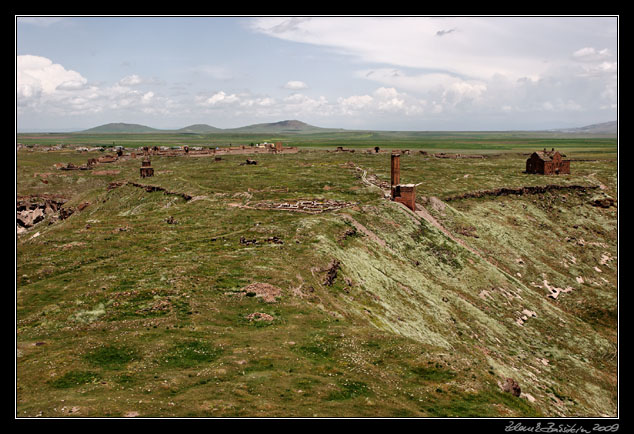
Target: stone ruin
{"x":31,"y":210}
{"x":305,"y":206}
{"x":402,"y":193}
{"x":547,"y":163}
{"x":146,"y":168}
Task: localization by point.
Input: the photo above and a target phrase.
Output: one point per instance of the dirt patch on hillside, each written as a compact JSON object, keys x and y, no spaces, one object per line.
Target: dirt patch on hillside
{"x":260,"y":316}
{"x":265,"y":291}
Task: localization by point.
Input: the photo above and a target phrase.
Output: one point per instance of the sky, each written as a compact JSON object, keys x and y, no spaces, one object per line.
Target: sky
{"x":468,"y":73}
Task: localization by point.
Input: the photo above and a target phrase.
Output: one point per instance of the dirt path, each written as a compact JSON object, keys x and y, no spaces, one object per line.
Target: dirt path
{"x":371,"y":235}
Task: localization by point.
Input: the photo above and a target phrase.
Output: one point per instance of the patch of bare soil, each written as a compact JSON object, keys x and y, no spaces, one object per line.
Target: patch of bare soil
{"x":265,"y":291}
{"x":260,"y":316}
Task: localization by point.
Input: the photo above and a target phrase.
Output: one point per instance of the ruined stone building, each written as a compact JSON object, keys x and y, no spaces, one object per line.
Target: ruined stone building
{"x":146,"y":168}
{"x":547,"y":163}
{"x":403,"y":193}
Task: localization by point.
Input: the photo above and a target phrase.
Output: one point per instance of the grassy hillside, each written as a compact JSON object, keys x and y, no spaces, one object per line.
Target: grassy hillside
{"x":145,"y":303}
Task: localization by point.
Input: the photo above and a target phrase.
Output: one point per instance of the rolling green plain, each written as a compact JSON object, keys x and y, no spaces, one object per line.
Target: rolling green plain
{"x":136,"y":304}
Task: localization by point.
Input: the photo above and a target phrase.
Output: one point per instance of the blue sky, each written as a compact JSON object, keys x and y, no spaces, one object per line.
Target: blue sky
{"x":389,"y":73}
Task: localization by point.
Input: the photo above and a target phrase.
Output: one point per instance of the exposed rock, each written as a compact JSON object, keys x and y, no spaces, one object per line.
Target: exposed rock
{"x":603,"y":203}
{"x":331,"y":272}
{"x":32,"y":210}
{"x":511,"y":386}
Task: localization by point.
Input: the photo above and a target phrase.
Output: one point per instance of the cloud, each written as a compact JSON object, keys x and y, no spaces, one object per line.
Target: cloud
{"x":219,"y":98}
{"x":47,"y":87}
{"x":483,"y":47}
{"x":130,"y":80}
{"x":39,"y":75}
{"x":444,"y":32}
{"x":355,"y":103}
{"x":589,"y":54}
{"x":295,"y":85}
{"x":492,"y":65}
{"x":289,"y":25}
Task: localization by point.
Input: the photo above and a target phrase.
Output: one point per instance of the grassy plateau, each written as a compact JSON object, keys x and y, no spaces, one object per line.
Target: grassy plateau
{"x":136,"y":304}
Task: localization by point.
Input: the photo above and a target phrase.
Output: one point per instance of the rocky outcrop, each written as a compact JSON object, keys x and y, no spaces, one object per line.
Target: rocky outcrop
{"x":511,"y":386}
{"x":32,"y":210}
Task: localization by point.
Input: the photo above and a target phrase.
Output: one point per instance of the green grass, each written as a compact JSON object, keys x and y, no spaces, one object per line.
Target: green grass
{"x":349,"y":390}
{"x":111,"y":356}
{"x":433,"y":374}
{"x":190,"y":353}
{"x":75,"y":378}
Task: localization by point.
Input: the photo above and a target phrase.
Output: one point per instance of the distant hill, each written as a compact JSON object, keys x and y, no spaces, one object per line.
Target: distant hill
{"x":602,"y":128}
{"x":198,"y":129}
{"x":289,"y":126}
{"x":120,"y":128}
{"x":299,"y":127}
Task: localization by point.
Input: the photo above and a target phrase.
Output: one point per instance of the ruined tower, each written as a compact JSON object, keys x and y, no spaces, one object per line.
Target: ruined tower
{"x":403,"y":193}
{"x":395,"y":174}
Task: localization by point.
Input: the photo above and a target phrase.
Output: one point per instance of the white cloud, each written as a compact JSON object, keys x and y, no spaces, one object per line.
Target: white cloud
{"x":130,"y":80}
{"x":46,"y":87}
{"x":219,"y":98}
{"x":295,"y":85}
{"x":481,"y":48}
{"x":36,"y":75}
{"x":147,"y":97}
{"x":589,"y":54}
{"x":465,"y":66}
{"x":354,"y":103}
